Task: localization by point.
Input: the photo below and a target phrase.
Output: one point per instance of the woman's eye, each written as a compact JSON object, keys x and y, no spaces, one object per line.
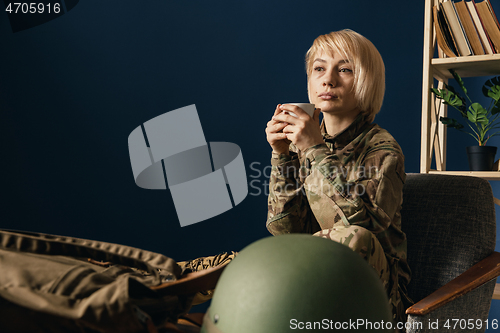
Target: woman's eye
{"x":346,"y":70}
{"x":319,"y":69}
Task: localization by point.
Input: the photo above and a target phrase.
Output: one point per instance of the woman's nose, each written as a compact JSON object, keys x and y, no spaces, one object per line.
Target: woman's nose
{"x":330,"y":80}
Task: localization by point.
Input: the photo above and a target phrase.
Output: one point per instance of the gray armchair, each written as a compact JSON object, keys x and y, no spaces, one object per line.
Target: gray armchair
{"x":451,"y":229}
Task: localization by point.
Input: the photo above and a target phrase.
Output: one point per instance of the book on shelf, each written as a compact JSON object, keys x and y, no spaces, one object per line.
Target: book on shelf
{"x":466,"y":28}
{"x":469,"y":27}
{"x":456,"y":28}
{"x":443,"y":35}
{"x":490,"y":23}
{"x":485,"y":41}
{"x":493,"y":12}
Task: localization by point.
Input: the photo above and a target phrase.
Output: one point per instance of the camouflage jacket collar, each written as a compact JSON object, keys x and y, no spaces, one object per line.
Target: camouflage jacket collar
{"x":358,"y":126}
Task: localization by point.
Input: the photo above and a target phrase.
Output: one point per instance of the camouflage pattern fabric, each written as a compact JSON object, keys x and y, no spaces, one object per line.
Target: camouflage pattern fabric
{"x":202,"y":263}
{"x":355,"y":178}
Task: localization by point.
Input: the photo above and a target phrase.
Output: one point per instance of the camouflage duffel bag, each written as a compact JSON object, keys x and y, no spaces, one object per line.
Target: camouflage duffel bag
{"x":63,"y":284}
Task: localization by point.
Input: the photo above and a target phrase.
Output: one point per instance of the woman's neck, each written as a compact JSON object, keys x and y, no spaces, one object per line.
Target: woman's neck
{"x":334,"y":124}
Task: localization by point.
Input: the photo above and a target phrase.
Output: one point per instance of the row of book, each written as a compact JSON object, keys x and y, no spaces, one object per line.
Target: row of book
{"x":466,"y":28}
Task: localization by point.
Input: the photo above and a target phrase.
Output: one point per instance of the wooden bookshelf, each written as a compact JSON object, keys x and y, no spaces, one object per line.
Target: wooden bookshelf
{"x":471,"y":66}
{"x":433,"y":144}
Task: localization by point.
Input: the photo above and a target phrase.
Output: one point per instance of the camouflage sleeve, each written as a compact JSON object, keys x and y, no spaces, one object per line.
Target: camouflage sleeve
{"x":367,"y":192}
{"x":288,"y":209}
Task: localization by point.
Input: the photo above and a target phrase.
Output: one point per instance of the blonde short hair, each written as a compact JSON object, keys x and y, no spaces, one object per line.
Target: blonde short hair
{"x":368,"y":66}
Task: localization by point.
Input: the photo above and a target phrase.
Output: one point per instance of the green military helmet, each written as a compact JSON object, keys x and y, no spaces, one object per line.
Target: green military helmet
{"x":298,"y":282}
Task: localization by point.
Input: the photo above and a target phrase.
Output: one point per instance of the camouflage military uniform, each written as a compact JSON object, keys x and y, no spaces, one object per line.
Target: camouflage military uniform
{"x":342,"y":189}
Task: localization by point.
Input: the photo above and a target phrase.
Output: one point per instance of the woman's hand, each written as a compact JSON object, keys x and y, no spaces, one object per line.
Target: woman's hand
{"x":302,"y":130}
{"x":275,"y":136}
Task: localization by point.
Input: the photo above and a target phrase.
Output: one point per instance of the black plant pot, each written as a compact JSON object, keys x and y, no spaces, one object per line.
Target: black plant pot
{"x":481,"y":158}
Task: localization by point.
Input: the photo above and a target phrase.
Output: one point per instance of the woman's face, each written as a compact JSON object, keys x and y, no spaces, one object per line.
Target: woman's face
{"x":330,"y":85}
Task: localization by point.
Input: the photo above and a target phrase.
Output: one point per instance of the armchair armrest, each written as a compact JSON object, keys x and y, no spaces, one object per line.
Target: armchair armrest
{"x":482,"y":272}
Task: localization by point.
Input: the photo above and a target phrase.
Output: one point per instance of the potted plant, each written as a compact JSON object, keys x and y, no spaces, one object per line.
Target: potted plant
{"x":480,"y":121}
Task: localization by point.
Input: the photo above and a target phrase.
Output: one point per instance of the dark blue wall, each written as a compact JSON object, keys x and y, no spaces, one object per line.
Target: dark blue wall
{"x":72,"y":90}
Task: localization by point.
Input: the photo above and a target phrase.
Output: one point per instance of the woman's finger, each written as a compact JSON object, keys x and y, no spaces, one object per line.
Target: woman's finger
{"x":276,"y":127}
{"x":289,"y":129}
{"x":285,"y":118}
{"x":275,"y":137}
{"x":277,"y":110}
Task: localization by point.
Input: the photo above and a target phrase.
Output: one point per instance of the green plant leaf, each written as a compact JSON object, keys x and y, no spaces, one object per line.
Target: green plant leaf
{"x":495,"y":109}
{"x":450,"y":122}
{"x":477,"y":114}
{"x":448,"y":97}
{"x":485,"y":90}
{"x":462,"y":108}
{"x":451,"y":88}
{"x":436,"y":92}
{"x":495,"y":81}
{"x":494,"y":93}
{"x":459,"y":80}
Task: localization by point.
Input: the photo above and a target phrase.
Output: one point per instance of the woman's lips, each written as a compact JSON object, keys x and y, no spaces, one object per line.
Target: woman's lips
{"x":327,"y":96}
